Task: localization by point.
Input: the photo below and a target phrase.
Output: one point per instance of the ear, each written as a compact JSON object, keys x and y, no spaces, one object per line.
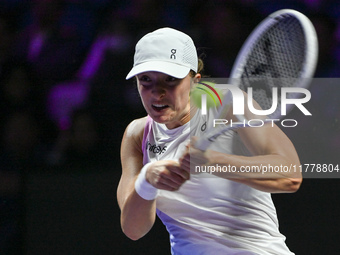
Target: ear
{"x":197,"y":77}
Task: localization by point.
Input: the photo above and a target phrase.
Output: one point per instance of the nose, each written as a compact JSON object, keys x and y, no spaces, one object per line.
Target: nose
{"x":158,"y":90}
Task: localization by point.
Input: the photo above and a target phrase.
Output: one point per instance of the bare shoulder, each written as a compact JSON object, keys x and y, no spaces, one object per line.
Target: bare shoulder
{"x":131,"y":155}
{"x":136,"y":128}
{"x":133,"y":135}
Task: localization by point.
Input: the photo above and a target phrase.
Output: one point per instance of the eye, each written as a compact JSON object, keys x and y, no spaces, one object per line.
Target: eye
{"x":144,"y":78}
{"x":171,"y":79}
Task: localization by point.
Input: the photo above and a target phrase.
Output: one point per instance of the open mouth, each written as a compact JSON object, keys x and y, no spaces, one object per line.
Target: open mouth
{"x":159,"y":107}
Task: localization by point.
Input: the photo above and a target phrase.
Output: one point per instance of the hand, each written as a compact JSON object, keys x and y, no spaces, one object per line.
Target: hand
{"x":167,"y":175}
{"x":193,"y":157}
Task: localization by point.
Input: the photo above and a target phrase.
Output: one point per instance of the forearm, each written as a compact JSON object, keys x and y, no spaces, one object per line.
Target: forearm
{"x":269,"y":173}
{"x":137,"y":215}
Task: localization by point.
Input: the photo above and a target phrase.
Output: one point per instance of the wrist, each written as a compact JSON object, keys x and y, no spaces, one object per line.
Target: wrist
{"x":210,"y":155}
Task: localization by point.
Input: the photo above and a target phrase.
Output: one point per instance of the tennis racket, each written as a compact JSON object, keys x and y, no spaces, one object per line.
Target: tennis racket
{"x":281,"y":52}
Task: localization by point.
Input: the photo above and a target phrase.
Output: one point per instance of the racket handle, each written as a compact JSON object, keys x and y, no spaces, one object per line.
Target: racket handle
{"x":202,"y":143}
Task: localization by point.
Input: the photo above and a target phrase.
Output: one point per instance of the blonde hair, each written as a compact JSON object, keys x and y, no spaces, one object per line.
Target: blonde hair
{"x":200,"y":68}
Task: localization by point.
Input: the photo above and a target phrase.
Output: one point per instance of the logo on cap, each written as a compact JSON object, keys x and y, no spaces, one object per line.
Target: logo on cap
{"x":172,"y":56}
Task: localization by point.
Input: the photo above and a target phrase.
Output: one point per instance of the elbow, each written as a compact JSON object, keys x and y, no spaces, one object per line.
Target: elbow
{"x":133,"y":235}
{"x":294,"y":185}
{"x":135,"y":231}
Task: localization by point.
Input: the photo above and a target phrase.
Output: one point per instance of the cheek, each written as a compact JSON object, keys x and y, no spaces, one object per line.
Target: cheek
{"x":143,"y":97}
{"x":183,"y":97}
{"x":186,"y":92}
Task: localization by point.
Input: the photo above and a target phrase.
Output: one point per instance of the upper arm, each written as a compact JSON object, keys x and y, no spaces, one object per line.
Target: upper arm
{"x":131,"y":158}
{"x":268,"y":140}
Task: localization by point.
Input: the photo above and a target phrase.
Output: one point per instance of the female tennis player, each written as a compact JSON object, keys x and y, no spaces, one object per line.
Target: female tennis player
{"x":223,"y":213}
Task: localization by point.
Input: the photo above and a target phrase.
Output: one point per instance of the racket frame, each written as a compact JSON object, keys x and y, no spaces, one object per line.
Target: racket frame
{"x":307,"y":72}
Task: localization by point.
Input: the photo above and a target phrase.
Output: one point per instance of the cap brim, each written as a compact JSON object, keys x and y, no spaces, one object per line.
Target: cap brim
{"x":172,"y":69}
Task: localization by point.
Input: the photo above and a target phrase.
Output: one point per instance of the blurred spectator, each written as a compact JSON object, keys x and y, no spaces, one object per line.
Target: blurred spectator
{"x":53,"y":47}
{"x":111,"y":95}
{"x":326,"y":27}
{"x":20,"y":153}
{"x":82,"y":147}
{"x":145,"y":15}
{"x":21,"y":139}
{"x":20,"y":89}
{"x":6,"y":35}
{"x":326,"y":92}
{"x":100,"y":83}
{"x":63,"y":99}
{"x":267,"y":7}
{"x":113,"y":37}
{"x":224,"y":31}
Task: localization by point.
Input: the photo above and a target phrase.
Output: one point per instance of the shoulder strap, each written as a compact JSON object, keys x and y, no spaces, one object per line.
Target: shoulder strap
{"x":147,"y":130}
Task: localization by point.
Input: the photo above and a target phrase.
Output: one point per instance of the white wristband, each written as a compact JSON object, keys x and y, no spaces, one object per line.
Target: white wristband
{"x":143,"y":188}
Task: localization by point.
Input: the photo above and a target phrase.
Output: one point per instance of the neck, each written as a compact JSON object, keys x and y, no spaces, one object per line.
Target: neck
{"x":185,"y":119}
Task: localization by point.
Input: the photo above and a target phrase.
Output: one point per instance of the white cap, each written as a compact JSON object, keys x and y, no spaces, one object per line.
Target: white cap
{"x":165,"y":50}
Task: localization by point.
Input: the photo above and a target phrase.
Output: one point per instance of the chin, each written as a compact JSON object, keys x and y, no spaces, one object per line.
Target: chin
{"x":161,"y":119}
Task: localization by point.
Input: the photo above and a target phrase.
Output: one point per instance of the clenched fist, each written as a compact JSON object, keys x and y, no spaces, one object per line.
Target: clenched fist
{"x":167,"y":175}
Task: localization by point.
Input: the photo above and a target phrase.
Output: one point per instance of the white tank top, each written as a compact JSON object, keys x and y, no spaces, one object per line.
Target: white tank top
{"x":211,"y":215}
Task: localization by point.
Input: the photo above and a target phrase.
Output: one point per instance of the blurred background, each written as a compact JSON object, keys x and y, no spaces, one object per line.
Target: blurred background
{"x":65,"y":103}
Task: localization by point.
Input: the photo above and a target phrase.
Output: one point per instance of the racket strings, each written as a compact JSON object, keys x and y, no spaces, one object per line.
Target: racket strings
{"x":277,"y":58}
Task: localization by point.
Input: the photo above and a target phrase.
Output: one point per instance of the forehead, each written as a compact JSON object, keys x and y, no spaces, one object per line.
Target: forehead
{"x":160,"y":75}
{"x":153,"y":74}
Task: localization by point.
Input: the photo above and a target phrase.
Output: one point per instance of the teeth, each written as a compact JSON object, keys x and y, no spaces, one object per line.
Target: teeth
{"x":159,"y":105}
